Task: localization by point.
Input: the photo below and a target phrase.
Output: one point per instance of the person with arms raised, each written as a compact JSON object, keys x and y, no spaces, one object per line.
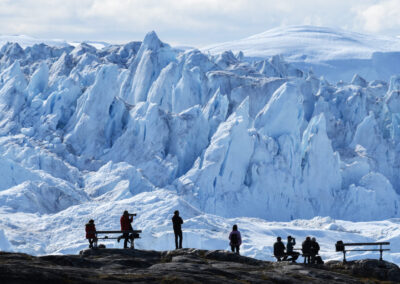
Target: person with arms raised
{"x":126,"y":225}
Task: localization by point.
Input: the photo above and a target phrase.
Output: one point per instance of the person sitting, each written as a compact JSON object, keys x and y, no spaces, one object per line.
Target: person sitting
{"x":306,"y":249}
{"x":126,"y":225}
{"x":279,"y":249}
{"x":235,"y":239}
{"x":291,"y":242}
{"x":314,"y":250}
{"x":90,"y":229}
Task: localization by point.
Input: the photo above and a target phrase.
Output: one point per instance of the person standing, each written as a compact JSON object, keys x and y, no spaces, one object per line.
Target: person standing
{"x":90,"y":229}
{"x":306,"y":249}
{"x":177,"y":225}
{"x":235,"y":239}
{"x":126,"y":225}
{"x":314,"y":250}
{"x":279,"y":249}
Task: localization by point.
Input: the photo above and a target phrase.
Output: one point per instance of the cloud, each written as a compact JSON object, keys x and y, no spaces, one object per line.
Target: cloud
{"x":380,"y":17}
{"x":195,"y":22}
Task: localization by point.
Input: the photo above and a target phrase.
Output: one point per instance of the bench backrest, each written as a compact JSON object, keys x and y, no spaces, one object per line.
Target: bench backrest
{"x":340,"y":246}
{"x":366,"y":244}
{"x":119,"y":232}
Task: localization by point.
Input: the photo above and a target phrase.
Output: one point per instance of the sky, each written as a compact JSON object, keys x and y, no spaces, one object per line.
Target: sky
{"x":189,"y":22}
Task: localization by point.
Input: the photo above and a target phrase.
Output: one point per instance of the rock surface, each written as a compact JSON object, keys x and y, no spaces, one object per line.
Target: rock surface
{"x":183,"y":266}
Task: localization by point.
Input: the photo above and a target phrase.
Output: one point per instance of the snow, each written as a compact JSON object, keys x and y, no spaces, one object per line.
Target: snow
{"x":24,"y":40}
{"x":225,"y":139}
{"x":27,"y":41}
{"x":308,"y":43}
{"x":333,"y":53}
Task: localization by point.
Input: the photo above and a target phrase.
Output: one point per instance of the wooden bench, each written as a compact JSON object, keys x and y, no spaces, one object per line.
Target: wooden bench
{"x":340,"y":246}
{"x":289,"y":257}
{"x":134,"y":234}
{"x":305,"y":255}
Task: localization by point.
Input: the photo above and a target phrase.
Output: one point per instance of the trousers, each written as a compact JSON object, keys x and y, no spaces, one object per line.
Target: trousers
{"x":178,"y":239}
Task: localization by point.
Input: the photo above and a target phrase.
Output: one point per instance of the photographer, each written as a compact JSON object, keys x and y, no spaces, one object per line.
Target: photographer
{"x":126,"y":225}
{"x":291,"y":242}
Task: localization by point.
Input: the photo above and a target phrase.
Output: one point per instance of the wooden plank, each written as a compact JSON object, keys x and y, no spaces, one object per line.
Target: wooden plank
{"x":366,"y":244}
{"x":118,"y":232}
{"x":367,"y":250}
{"x":104,"y":238}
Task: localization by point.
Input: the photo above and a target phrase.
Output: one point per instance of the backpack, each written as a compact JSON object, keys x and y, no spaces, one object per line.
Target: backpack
{"x":319,"y":260}
{"x":339,"y":246}
{"x":234,"y":239}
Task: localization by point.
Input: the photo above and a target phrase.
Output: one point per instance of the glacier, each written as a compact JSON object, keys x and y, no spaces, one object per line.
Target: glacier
{"x":223,"y":137}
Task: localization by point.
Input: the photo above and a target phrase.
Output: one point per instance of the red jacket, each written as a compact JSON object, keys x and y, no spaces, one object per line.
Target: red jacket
{"x":90,"y":231}
{"x":126,"y":223}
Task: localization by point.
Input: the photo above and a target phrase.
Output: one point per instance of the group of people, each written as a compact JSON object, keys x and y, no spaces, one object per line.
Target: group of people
{"x":235,"y":239}
{"x":126,"y":226}
{"x":310,"y":249}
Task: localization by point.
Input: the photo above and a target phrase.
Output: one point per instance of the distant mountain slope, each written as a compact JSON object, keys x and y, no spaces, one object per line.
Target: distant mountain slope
{"x":334,"y":54}
{"x":25,"y":41}
{"x":309,"y":44}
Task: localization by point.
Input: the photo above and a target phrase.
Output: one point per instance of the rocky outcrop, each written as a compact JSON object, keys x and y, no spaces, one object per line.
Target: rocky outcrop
{"x":182,"y":266}
{"x":367,"y":268}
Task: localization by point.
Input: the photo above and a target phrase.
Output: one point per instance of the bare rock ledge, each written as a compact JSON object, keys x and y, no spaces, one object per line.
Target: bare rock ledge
{"x":183,"y":266}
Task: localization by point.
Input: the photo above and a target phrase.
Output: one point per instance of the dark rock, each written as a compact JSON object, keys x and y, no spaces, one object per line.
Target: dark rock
{"x":182,"y":266}
{"x":369,"y":268}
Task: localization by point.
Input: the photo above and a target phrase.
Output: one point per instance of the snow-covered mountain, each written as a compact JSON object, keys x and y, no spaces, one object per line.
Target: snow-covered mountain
{"x":88,"y":133}
{"x":27,"y":41}
{"x":332,"y":53}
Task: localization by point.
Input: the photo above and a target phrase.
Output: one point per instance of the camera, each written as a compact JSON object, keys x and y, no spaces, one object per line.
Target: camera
{"x":133,"y":214}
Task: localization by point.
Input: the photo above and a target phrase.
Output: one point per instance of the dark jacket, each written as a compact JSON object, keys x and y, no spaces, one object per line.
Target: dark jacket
{"x":126,"y":221}
{"x":238,"y":238}
{"x":279,"y":248}
{"x":314,"y":247}
{"x":90,"y":231}
{"x":177,"y":222}
{"x":306,"y":247}
{"x":290,"y":245}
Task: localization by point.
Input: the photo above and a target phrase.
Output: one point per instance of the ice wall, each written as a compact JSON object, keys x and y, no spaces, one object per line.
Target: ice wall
{"x":232,"y":138}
